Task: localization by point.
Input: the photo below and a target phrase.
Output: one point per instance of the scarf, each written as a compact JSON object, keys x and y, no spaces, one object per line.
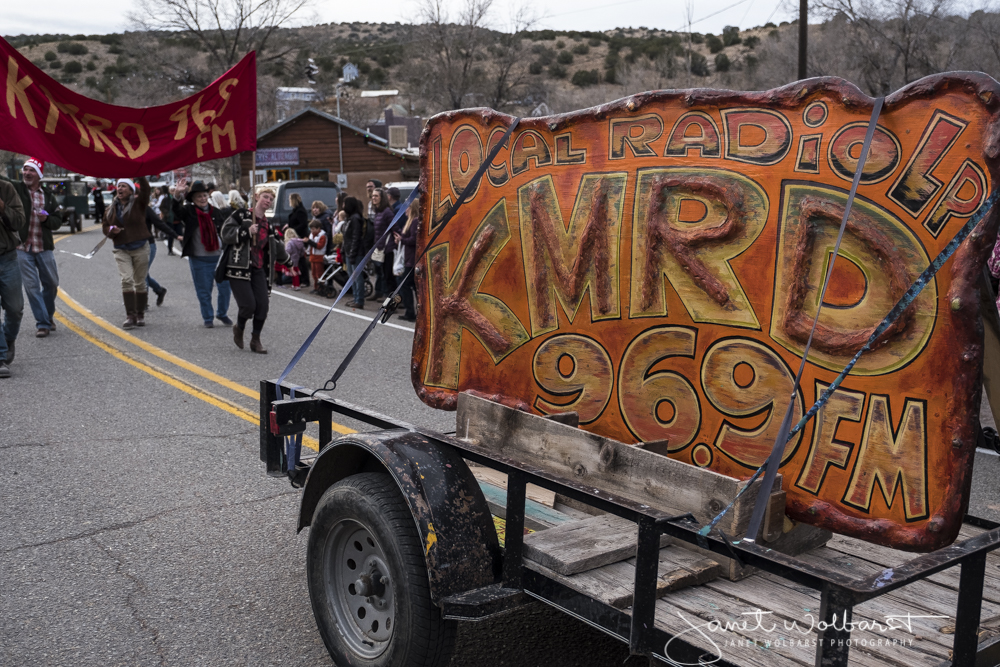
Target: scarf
{"x":209,"y":235}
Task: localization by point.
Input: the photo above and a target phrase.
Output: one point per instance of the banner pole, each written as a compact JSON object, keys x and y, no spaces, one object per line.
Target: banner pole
{"x":253,"y":170}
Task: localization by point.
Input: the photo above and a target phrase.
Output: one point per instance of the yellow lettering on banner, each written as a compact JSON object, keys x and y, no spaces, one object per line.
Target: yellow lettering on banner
{"x":15,"y":93}
{"x":137,"y":151}
{"x":96,"y":126}
{"x":201,"y":118}
{"x":181,"y":118}
{"x":200,"y":141}
{"x":69,"y":110}
{"x":225,"y":93}
{"x":229,"y":130}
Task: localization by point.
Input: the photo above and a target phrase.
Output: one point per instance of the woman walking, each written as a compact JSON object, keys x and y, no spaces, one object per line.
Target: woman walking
{"x":125,"y":225}
{"x":201,"y":246}
{"x":249,"y":266}
{"x":354,"y":246}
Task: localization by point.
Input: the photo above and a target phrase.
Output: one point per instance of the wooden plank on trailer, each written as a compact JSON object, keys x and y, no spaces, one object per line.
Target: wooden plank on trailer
{"x":613,"y":584}
{"x":888,"y":557}
{"x":499,"y":480}
{"x":641,"y":475}
{"x":578,"y":546}
{"x":686,"y":614}
{"x":536,"y":515}
{"x":785,"y":603}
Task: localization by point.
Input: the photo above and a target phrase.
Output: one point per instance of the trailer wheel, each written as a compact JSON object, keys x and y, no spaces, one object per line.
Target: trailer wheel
{"x":368,"y":579}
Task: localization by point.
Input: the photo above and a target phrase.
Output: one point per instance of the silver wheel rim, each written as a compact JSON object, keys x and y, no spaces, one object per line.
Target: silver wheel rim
{"x":359,"y":588}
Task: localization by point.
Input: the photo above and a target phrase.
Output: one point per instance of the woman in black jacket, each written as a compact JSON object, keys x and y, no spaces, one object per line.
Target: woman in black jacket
{"x":298,"y":219}
{"x":249,"y":266}
{"x":354,"y":246}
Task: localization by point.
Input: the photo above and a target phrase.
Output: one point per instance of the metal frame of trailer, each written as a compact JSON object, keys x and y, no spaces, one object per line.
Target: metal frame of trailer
{"x":507,"y":583}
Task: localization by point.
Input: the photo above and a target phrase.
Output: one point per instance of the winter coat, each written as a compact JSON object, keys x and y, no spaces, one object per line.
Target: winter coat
{"x":133,"y":222}
{"x":326,"y":219}
{"x":50,"y":224}
{"x":382,"y":221}
{"x":12,"y":218}
{"x":408,"y":239}
{"x":354,"y":239}
{"x":236,"y":236}
{"x":153,"y":220}
{"x":186,"y":213}
{"x":298,"y":220}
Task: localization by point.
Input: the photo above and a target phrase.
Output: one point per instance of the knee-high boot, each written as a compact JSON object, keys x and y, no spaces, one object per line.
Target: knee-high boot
{"x":141,"y":302}
{"x":130,"y":320}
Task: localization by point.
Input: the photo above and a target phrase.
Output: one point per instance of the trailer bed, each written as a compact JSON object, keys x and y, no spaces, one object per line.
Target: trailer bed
{"x":900,"y":631}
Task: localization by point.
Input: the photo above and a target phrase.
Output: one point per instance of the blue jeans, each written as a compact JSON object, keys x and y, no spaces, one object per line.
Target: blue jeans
{"x":40,"y":278}
{"x":203,"y":275}
{"x":358,"y":288}
{"x":11,"y":300}
{"x":153,"y":285}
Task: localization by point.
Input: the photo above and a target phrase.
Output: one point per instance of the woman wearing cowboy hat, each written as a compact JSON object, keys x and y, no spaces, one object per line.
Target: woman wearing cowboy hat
{"x":201,"y":245}
{"x":125,"y":225}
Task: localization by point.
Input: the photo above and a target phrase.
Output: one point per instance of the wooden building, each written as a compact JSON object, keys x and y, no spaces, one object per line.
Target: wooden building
{"x":308,"y":146}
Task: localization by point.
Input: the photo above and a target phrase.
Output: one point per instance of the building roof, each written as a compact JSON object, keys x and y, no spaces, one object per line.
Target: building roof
{"x":333,"y":119}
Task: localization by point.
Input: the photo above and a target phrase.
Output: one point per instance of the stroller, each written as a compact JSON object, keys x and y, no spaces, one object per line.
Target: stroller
{"x":335,"y":276}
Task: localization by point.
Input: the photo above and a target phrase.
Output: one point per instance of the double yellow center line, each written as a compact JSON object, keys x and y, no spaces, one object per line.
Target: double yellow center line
{"x":165,"y":376}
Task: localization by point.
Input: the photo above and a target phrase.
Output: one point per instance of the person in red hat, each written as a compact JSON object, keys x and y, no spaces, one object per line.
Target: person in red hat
{"x":35,"y":255}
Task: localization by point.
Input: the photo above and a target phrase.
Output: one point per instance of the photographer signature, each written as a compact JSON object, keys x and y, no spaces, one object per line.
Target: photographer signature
{"x":759,"y":620}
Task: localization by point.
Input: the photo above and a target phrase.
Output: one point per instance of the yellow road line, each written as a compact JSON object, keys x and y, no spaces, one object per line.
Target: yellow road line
{"x":173,"y":381}
{"x":173,"y":359}
{"x":159,"y":352}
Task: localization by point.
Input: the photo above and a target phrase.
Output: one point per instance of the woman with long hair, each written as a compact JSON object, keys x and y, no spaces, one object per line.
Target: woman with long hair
{"x":249,"y":266}
{"x":125,"y":225}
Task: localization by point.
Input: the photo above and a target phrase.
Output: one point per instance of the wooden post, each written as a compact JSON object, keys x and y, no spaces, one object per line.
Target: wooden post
{"x":803,"y":36}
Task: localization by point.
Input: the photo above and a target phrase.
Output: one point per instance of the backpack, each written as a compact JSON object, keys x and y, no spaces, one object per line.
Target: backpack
{"x":367,"y":235}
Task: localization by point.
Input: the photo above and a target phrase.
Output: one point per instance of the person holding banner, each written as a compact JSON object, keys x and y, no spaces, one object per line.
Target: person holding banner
{"x":11,"y":299}
{"x":252,"y":251}
{"x":35,"y":255}
{"x":200,"y":244}
{"x":125,"y":225}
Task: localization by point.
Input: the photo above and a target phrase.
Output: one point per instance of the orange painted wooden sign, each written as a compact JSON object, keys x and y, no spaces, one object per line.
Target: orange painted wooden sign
{"x":655,"y":265}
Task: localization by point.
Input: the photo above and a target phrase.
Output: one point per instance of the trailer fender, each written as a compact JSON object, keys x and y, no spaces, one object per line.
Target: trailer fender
{"x":453,"y":520}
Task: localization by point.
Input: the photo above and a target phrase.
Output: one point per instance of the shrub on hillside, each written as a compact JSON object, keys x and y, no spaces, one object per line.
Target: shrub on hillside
{"x":565,"y":58}
{"x":73,"y":67}
{"x":50,"y":56}
{"x":586,"y":77}
{"x":714,"y":43}
{"x":558,"y":71}
{"x":581,"y":49}
{"x":722,"y":63}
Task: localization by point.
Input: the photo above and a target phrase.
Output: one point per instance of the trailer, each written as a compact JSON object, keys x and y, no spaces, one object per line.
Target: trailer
{"x":615,"y":317}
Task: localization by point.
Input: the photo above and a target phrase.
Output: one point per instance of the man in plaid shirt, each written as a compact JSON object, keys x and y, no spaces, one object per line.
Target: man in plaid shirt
{"x":35,"y":254}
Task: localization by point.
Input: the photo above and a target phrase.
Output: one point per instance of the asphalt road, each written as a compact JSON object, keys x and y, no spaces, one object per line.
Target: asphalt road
{"x":138,"y":526}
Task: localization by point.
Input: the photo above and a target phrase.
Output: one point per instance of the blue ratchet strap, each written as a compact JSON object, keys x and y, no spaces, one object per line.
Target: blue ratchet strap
{"x":904,"y":302}
{"x":389,"y":305}
{"x":293,"y":443}
{"x":344,"y":290}
{"x":773,"y":461}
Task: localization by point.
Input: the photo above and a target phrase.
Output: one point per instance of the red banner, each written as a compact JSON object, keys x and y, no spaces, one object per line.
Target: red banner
{"x":44,"y":119}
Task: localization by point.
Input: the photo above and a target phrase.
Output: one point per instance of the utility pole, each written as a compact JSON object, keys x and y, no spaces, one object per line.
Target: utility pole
{"x":803,"y":36}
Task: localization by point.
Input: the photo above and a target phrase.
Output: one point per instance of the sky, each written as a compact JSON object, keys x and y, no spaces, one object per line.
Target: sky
{"x":75,"y":17}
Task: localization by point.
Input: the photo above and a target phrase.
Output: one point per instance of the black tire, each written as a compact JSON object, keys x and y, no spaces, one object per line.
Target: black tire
{"x":369,"y":287}
{"x":419,"y":636}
